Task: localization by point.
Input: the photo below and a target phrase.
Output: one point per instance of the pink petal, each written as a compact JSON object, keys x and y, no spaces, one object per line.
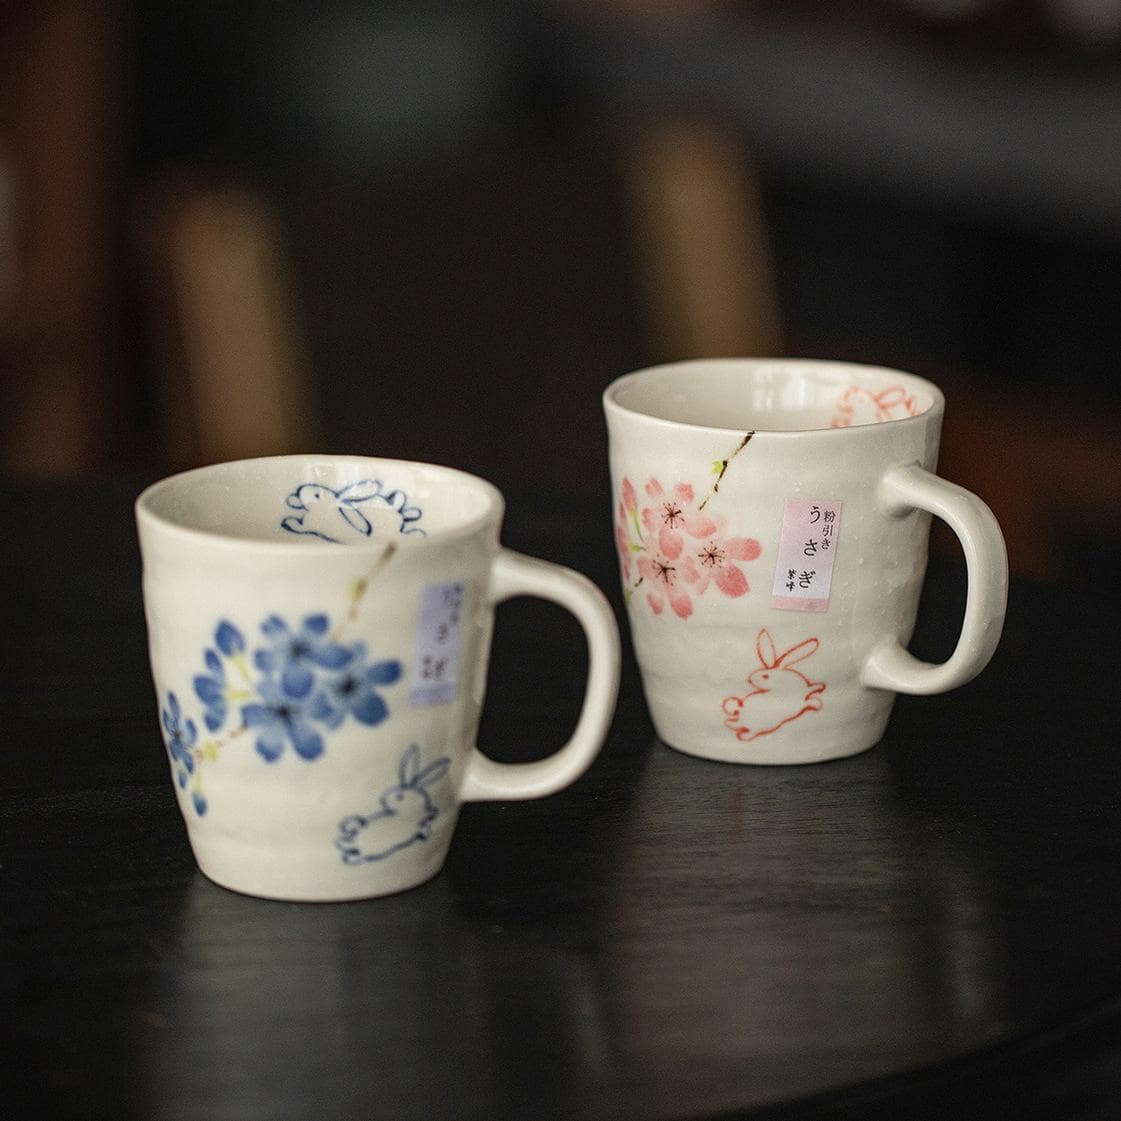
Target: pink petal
{"x":684,"y":491}
{"x":698,"y":525}
{"x":742,"y":548}
{"x":650,"y":520}
{"x":630,"y":500}
{"x":731,"y":581}
{"x":670,"y":542}
{"x":654,"y":488}
{"x":646,"y":568}
{"x":624,"y":551}
{"x":698,"y":580}
{"x":696,"y":576}
{"x":682,"y":603}
{"x":656,"y":603}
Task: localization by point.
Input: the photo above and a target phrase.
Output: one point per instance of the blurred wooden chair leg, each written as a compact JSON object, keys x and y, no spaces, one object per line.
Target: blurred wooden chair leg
{"x":700,"y":236}
{"x":230,"y":363}
{"x":62,"y":385}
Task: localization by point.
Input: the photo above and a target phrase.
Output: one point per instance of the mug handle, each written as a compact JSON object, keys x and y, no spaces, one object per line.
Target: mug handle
{"x":891,"y":665}
{"x":513,"y":574}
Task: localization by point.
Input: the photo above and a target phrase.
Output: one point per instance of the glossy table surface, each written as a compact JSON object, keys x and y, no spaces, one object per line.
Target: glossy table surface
{"x":929,"y":925}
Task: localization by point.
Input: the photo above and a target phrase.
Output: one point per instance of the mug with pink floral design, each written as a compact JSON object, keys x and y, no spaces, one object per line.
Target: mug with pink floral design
{"x":772,"y":519}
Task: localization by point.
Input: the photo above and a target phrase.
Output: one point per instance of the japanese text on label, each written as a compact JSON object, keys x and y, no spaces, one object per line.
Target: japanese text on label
{"x":804,"y":571}
{"x":436,"y":665}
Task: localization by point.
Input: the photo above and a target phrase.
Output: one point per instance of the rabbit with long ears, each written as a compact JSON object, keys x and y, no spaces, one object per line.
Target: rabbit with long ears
{"x":861,"y":406}
{"x":333,"y":515}
{"x":405,"y":816}
{"x":779,"y":693}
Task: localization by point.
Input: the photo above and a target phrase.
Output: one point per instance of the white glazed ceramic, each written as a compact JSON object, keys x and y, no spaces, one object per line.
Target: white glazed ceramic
{"x":772,"y":519}
{"x":319,"y":630}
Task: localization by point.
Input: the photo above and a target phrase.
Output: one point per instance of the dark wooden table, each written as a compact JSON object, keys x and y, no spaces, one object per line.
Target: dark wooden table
{"x":930,"y":926}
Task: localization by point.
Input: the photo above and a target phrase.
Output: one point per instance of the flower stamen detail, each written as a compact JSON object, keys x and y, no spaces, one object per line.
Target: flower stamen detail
{"x":672,"y":515}
{"x":712,"y":556}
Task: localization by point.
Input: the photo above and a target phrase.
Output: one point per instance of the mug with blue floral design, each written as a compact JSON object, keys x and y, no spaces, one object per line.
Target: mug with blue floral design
{"x":319,"y":630}
{"x":772,"y":519}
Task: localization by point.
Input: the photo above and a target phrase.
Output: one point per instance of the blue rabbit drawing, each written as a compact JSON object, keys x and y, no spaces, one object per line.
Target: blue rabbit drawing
{"x":404,"y":817}
{"x":333,"y":515}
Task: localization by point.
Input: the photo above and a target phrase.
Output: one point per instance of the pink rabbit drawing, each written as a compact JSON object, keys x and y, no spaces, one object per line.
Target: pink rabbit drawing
{"x":861,"y":406}
{"x":778,"y":694}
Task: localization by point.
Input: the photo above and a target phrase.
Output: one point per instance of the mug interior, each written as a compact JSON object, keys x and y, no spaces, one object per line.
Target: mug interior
{"x":307,"y":499}
{"x":773,"y":395}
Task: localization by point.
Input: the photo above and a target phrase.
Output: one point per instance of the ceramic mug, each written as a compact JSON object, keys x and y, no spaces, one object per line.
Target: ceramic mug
{"x":319,"y":630}
{"x":772,"y":519}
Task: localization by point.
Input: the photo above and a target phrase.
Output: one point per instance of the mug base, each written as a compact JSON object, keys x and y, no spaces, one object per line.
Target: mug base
{"x":782,"y":757}
{"x":855,"y":725}
{"x":270,"y":879}
{"x":300,"y":897}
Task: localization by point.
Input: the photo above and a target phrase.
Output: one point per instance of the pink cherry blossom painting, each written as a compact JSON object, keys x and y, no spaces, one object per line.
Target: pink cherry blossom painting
{"x":673,"y":548}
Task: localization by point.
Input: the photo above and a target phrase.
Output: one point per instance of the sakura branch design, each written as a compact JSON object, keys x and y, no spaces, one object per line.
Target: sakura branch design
{"x":674,"y":548}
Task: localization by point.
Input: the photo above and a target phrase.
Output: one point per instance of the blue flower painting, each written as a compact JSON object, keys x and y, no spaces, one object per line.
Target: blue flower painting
{"x":280,"y":718}
{"x":298,"y":685}
{"x":297,"y":656}
{"x":353,"y":692}
{"x":212,"y":688}
{"x":180,"y":737}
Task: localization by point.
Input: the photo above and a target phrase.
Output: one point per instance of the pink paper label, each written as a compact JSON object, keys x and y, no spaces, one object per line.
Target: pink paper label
{"x":804,"y":571}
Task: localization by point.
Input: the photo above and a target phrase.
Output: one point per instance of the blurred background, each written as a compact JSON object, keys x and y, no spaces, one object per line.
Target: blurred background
{"x":439,"y":229}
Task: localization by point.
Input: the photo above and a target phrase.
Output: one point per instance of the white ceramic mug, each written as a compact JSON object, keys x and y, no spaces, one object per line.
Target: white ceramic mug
{"x":772,"y":520}
{"x":319,"y":630}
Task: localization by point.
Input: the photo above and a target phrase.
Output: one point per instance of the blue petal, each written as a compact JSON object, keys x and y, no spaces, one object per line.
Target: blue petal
{"x":307,"y":742}
{"x":214,"y":664}
{"x":190,"y":733}
{"x":316,"y":624}
{"x":296,"y":680}
{"x":215,"y":716}
{"x":182,"y":776}
{"x":371,"y":709}
{"x":270,"y":744}
{"x":330,"y":655}
{"x":229,"y":638}
{"x":274,"y":627}
{"x":268,"y":689}
{"x":255,"y":716}
{"x":209,"y":691}
{"x":323,"y":710}
{"x":265,"y":660}
{"x":383,"y":673}
{"x":200,"y":803}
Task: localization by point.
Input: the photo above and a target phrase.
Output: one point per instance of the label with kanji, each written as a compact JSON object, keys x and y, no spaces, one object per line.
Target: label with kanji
{"x":436,"y":665}
{"x":810,"y":532}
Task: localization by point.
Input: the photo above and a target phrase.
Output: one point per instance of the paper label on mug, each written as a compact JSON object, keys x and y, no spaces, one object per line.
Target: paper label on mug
{"x":436,"y":664}
{"x":804,"y":571}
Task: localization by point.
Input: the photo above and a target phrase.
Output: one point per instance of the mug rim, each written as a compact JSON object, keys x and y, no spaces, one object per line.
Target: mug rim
{"x":749,"y":365}
{"x":303,"y":546}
